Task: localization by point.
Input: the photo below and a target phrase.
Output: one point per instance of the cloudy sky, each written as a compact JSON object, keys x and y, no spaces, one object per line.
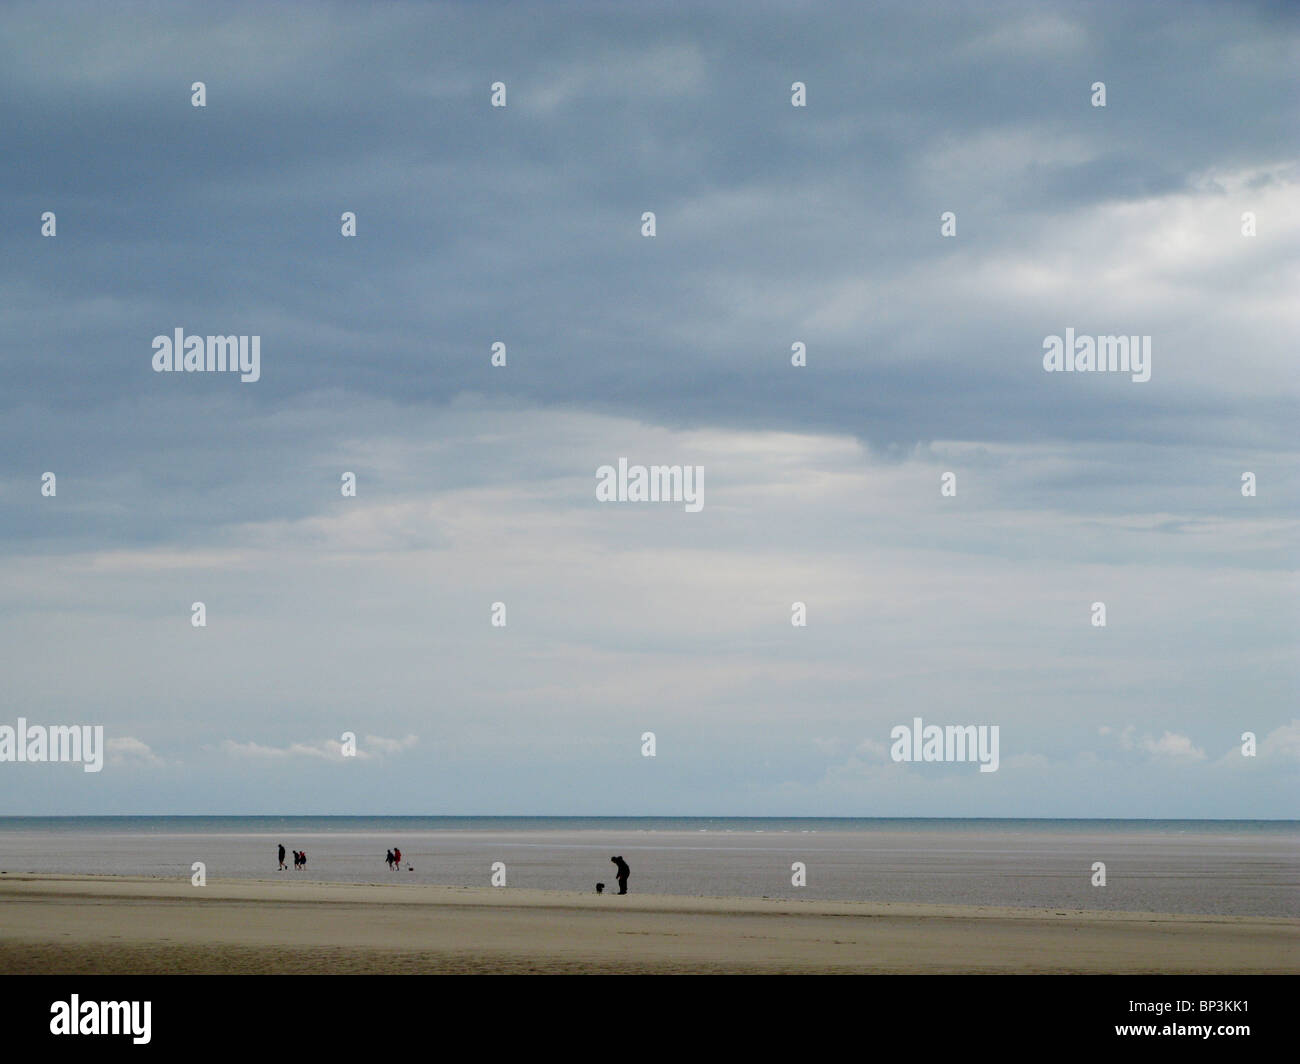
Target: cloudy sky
{"x":475,"y":484}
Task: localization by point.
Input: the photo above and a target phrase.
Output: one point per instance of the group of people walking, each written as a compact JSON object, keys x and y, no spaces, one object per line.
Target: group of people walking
{"x":394,"y":861}
{"x":299,"y":859}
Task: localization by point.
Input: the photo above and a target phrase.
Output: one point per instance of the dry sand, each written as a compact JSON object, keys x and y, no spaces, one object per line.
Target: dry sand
{"x":111,"y":924}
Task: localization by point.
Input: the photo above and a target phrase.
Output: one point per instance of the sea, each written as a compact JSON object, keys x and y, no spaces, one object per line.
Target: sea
{"x":1229,"y":867}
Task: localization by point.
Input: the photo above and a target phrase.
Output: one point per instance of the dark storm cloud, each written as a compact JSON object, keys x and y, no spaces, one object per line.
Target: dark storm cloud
{"x":522,"y":223}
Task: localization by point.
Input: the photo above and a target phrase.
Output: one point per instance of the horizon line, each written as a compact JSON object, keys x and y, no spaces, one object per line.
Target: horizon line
{"x":630,"y":816}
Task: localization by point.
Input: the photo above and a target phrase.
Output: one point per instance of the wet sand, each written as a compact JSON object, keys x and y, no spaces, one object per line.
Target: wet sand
{"x":110,"y":924}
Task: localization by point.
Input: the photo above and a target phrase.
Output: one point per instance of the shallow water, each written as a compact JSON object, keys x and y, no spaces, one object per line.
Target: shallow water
{"x":1223,"y":867}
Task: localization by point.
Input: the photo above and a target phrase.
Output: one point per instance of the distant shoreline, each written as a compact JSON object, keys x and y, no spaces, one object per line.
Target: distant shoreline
{"x":569,"y":820}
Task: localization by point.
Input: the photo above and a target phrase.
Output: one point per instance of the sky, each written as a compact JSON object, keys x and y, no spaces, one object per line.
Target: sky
{"x":775,"y":225}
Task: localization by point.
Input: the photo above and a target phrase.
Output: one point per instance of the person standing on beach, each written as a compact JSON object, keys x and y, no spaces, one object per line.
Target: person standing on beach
{"x":281,"y":857}
{"x":397,"y":858}
{"x":621,"y":873}
{"x":389,"y":860}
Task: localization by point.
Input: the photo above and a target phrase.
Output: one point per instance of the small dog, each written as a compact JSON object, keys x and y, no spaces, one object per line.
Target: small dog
{"x":600,"y":888}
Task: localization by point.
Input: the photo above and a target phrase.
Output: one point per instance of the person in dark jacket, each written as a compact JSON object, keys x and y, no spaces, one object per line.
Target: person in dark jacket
{"x":621,"y":873}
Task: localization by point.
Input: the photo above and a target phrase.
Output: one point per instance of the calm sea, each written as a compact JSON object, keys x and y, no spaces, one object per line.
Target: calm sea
{"x":1246,"y":867}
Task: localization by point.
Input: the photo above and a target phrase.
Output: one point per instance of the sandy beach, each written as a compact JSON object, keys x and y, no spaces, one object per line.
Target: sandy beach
{"x":109,"y":924}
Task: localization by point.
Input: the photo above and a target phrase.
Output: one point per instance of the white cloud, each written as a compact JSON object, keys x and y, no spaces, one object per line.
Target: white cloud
{"x":1283,"y":742}
{"x":381,"y":746}
{"x":127,"y":750}
{"x":1173,"y":745}
{"x":371,"y":747}
{"x":1169,"y":745}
